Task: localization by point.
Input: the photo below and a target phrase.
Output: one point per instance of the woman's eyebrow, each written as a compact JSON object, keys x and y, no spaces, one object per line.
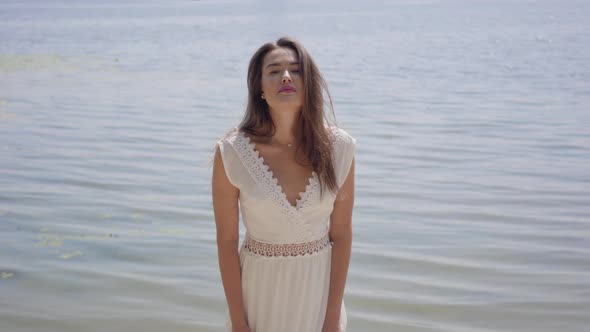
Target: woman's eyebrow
{"x":278,"y":64}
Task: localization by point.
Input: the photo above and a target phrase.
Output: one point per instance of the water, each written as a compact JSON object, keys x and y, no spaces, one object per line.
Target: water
{"x":473,"y":148}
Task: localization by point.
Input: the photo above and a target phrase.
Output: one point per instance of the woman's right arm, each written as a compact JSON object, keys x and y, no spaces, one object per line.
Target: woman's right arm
{"x":225,"y":208}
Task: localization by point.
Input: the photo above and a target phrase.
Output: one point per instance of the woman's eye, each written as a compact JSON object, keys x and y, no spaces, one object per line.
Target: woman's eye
{"x":296,"y":71}
{"x":274,"y":72}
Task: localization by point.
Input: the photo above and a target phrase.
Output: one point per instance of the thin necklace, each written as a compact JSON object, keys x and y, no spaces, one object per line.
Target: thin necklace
{"x":289,"y":145}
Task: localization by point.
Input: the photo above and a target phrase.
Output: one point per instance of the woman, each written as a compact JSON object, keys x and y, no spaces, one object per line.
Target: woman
{"x":294,"y":179}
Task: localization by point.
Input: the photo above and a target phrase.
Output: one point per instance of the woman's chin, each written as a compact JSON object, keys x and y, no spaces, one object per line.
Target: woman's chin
{"x":287,"y":105}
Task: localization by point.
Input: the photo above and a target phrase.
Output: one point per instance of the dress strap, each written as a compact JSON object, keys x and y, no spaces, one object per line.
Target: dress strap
{"x":285,"y":249}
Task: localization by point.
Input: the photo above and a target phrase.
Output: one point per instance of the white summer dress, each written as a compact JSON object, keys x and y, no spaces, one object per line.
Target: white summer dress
{"x":286,"y":253}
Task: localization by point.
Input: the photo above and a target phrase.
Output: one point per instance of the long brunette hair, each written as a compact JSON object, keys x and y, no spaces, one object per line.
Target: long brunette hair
{"x":315,"y":140}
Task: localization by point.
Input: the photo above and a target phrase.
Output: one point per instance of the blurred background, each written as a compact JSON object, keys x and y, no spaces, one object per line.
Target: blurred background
{"x":473,"y":147}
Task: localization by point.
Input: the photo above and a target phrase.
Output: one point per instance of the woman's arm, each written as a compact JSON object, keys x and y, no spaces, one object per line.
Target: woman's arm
{"x":225,"y":208}
{"x":341,"y":236}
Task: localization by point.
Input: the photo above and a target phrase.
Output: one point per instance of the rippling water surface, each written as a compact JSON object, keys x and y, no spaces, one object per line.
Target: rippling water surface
{"x":471,"y":117}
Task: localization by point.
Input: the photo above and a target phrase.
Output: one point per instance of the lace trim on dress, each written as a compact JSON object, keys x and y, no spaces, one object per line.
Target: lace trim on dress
{"x":287,"y":249}
{"x":269,"y":185}
{"x":262,"y":172}
{"x":306,"y":196}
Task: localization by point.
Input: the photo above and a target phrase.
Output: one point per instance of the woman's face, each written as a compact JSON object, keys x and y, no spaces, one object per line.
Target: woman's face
{"x":282,"y":84}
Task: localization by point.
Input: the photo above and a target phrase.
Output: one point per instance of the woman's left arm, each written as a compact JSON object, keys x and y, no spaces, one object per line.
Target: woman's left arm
{"x":341,"y":237}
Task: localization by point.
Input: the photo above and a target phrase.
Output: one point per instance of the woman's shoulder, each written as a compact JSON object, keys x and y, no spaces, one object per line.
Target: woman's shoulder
{"x":341,"y":136}
{"x":229,"y":137}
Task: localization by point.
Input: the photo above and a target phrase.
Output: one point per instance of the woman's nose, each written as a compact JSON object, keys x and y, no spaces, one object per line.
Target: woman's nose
{"x":286,"y":77}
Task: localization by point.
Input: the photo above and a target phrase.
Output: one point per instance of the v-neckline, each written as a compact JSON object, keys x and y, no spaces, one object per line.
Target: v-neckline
{"x":301,"y":198}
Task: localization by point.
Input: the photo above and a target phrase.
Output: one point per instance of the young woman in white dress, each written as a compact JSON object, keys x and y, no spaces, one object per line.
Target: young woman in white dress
{"x":291,"y":175}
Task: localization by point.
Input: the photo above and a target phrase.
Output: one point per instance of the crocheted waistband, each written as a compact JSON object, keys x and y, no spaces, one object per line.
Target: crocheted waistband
{"x":285,"y":249}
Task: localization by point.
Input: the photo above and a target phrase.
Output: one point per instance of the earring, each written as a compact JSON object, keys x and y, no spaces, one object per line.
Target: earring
{"x":262,"y":95}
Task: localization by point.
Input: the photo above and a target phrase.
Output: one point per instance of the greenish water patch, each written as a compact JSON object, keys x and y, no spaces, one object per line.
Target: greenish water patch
{"x":71,"y":254}
{"x":18,"y":62}
{"x":4,"y":116}
{"x":11,"y":63}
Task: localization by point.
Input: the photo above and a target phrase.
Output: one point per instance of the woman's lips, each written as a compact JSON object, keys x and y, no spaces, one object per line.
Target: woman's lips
{"x":287,"y":89}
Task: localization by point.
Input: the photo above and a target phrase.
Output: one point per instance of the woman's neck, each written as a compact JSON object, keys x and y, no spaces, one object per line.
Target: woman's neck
{"x":285,"y":126}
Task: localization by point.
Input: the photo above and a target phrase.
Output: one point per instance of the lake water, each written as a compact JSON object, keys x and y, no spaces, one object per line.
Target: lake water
{"x":473,"y":156}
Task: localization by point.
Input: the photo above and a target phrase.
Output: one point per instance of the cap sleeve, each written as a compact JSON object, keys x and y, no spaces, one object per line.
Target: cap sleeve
{"x":344,"y":151}
{"x":229,"y":160}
